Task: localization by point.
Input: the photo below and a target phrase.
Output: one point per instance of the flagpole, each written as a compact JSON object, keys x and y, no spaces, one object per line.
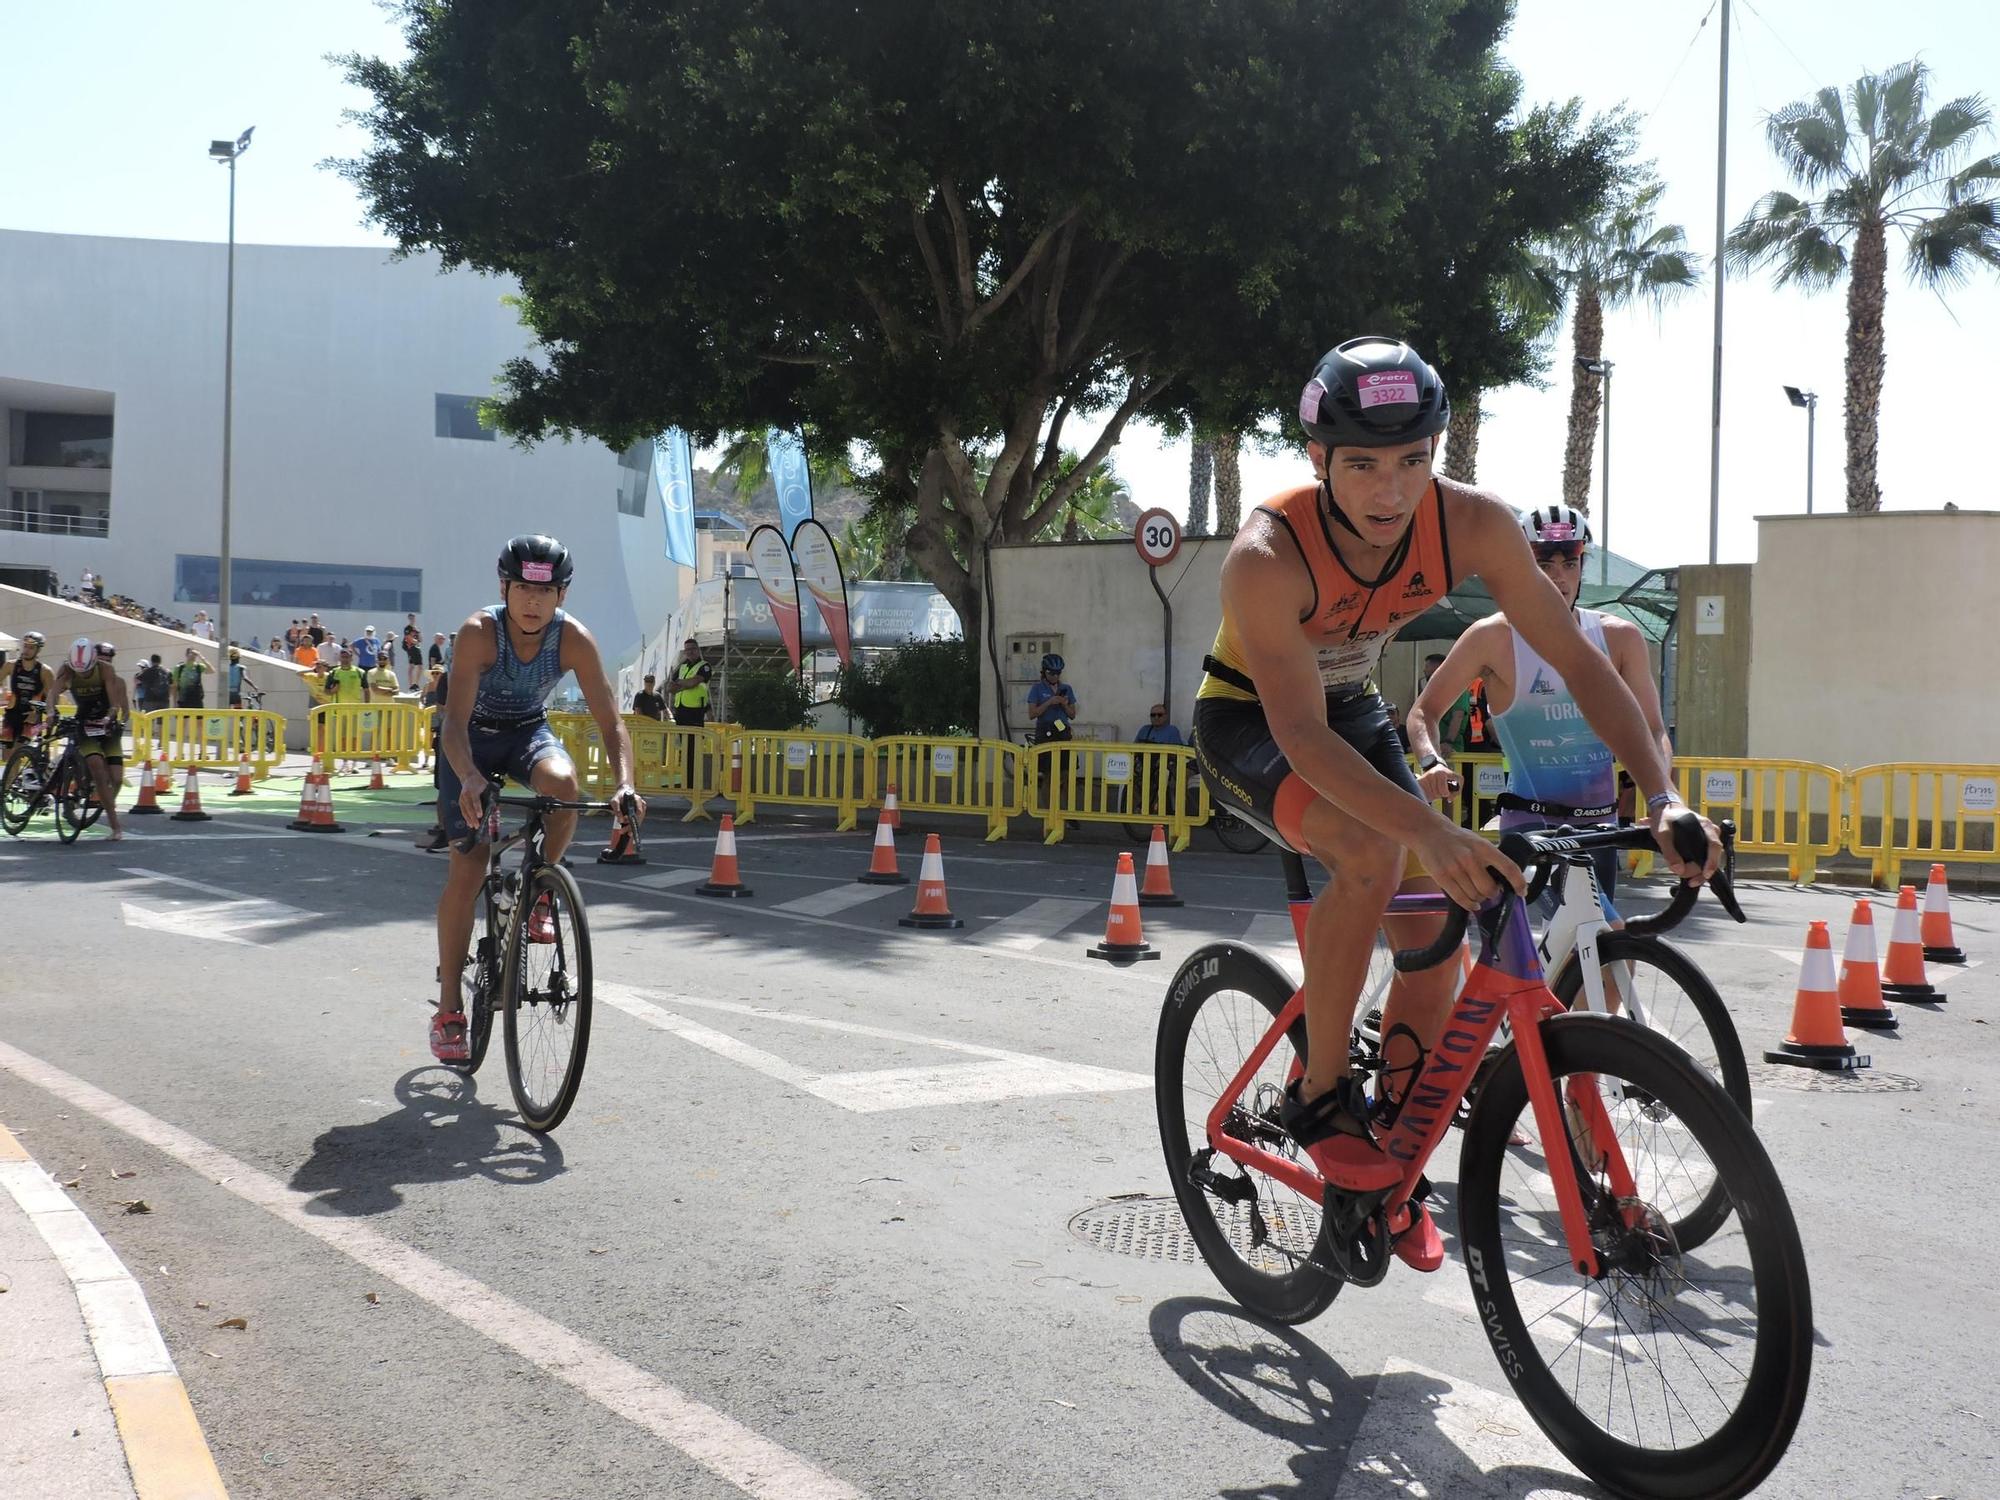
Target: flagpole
{"x":1721,"y":228}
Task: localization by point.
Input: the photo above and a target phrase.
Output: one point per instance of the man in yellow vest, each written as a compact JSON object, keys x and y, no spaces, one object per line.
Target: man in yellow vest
{"x":690,"y":681}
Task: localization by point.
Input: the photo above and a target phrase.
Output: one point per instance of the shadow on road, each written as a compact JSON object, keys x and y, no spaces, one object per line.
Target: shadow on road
{"x":1271,"y":1379}
{"x":443,"y":1132}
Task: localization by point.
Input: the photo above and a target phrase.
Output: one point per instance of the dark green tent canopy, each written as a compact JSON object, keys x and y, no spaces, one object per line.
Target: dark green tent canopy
{"x":1614,"y":584}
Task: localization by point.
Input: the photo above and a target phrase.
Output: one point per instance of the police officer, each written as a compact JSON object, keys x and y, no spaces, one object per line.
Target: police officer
{"x":690,"y":682}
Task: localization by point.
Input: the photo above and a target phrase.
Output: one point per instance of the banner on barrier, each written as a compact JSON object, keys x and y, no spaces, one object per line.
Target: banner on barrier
{"x":1118,"y":767}
{"x":1719,"y":786}
{"x":1979,"y":794}
{"x":1489,"y":781}
{"x":797,"y":753}
{"x":944,"y":760}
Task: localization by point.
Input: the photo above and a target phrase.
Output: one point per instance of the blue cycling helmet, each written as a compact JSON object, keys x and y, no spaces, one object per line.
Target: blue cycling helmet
{"x":1052,"y":663}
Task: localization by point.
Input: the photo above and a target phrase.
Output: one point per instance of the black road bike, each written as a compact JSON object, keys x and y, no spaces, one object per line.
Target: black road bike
{"x":34,"y":779}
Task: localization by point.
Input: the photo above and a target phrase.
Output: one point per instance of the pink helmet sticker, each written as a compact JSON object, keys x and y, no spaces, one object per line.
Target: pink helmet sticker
{"x":1388,"y":387}
{"x":538,"y":572}
{"x":1557,"y":531}
{"x":1310,"y":398}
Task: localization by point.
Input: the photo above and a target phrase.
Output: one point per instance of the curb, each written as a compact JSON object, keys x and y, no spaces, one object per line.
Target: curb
{"x":165,"y":1450}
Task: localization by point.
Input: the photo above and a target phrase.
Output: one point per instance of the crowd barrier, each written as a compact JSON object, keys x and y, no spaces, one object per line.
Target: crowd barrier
{"x":395,"y":731}
{"x":1901,"y":812}
{"x":1790,"y":808}
{"x":1084,"y":781}
{"x":803,"y":768}
{"x":980,"y":778}
{"x":210,"y":739}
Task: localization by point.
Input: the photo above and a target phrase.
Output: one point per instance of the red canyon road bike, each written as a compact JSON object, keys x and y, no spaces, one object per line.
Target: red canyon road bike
{"x":1659,"y":1370}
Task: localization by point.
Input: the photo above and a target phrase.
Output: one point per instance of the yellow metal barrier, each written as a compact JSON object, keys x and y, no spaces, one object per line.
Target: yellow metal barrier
{"x":1787,"y":807}
{"x":210,"y":738}
{"x":395,"y":731}
{"x":981,"y":778}
{"x":1482,"y":778}
{"x":1902,"y":812}
{"x":804,"y":768}
{"x":1087,"y":781}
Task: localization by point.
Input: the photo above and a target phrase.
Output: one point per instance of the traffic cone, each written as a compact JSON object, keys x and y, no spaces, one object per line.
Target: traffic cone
{"x":891,"y":814}
{"x":242,"y":787}
{"x":882,"y":860}
{"x":1940,"y":947}
{"x":191,"y":801}
{"x":933,"y":908}
{"x":623,"y":848}
{"x":1123,"y":942}
{"x":163,"y":777}
{"x":316,"y":807}
{"x":1861,"y":1002}
{"x":1903,"y":976}
{"x":722,"y":877}
{"x":1159,"y":887}
{"x":1816,"y":1040}
{"x":375,"y":781}
{"x":149,"y":801}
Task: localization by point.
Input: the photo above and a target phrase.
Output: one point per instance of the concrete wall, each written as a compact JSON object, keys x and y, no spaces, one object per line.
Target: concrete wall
{"x":1712,"y":690}
{"x":1876,"y":638}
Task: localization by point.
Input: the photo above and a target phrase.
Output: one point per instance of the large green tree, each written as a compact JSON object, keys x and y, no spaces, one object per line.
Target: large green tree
{"x":1879,"y":160}
{"x":950,"y":232}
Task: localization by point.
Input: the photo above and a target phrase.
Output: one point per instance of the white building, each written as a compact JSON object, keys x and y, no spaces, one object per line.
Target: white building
{"x":363,"y":486}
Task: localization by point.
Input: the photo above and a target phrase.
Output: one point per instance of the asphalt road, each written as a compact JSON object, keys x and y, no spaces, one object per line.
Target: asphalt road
{"x":808,"y":1231}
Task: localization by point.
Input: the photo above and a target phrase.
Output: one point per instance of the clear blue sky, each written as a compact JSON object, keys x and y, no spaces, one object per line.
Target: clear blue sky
{"x":112,"y":104}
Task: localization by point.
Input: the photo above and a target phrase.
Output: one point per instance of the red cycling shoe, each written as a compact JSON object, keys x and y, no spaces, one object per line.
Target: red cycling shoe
{"x":1414,"y":1237}
{"x":449,"y":1042}
{"x":1333,"y":1130}
{"x":542,"y":920}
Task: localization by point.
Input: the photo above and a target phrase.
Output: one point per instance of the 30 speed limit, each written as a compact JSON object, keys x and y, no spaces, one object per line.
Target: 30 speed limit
{"x":1157,"y":536}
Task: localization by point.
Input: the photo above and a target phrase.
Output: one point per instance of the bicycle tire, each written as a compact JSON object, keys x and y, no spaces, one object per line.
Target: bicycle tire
{"x":1309,"y":1285}
{"x":1723,"y":1058}
{"x":18,"y":806}
{"x":569,"y":1018}
{"x":1752,"y":1437}
{"x":69,"y":786}
{"x":1235,"y":835}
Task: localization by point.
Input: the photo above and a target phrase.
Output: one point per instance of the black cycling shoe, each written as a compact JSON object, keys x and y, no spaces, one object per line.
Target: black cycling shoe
{"x":1341,"y":1110}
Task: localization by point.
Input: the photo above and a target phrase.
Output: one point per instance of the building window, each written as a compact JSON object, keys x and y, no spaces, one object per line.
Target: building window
{"x":301,"y":585}
{"x":57,"y":512}
{"x":65,"y":440}
{"x":458,"y":417}
{"x":635,"y":475}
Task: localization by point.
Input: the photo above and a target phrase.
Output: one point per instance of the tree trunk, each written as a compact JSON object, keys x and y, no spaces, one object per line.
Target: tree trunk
{"x":1461,"y":448}
{"x":1867,"y":355}
{"x":1228,"y":483}
{"x":1201,"y":479}
{"x":1586,"y":398}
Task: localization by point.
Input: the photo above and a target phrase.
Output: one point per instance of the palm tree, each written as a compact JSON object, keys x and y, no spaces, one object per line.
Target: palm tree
{"x":1093,"y":511}
{"x":1605,"y":263}
{"x":1532,"y":293}
{"x":1228,"y":448}
{"x":1877,"y":159}
{"x":1201,"y":480}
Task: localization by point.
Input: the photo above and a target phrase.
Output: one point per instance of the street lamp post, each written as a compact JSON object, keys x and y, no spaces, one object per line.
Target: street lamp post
{"x":227,"y":151}
{"x":1810,"y":401}
{"x":1602,"y":369}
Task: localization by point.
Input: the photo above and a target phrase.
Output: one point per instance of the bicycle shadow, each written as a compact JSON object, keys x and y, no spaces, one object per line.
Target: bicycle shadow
{"x":441,"y":1133}
{"x":1368,"y":1437}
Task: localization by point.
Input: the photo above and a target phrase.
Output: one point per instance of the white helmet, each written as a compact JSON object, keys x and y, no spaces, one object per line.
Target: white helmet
{"x":1555,"y":524}
{"x":82,"y":654}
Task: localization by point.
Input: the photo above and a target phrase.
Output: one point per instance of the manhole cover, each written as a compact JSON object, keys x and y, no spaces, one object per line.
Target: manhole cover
{"x":1813,"y":1081}
{"x":1152,"y":1229}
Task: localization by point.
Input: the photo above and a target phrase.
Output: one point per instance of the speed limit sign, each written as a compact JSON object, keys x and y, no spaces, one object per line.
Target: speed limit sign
{"x":1158,"y":537}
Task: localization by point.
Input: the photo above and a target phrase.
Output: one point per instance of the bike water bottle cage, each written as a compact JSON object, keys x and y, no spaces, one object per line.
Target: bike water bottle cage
{"x":1393,"y":1084}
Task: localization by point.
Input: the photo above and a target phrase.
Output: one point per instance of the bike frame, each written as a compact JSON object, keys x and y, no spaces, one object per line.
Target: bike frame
{"x":1506,"y":984}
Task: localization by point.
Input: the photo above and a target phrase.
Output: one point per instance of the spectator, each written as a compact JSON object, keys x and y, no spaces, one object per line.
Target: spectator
{"x":88,"y":582}
{"x":1158,"y":731}
{"x":413,"y":649}
{"x":383,"y":684}
{"x":152,"y":686}
{"x":203,"y":626}
{"x":239,"y":679}
{"x":433,"y":699}
{"x":347,"y":683}
{"x":189,"y":691}
{"x":691,"y":676}
{"x":439,"y":656}
{"x":328,"y":651}
{"x":366,"y":650}
{"x":1052,"y":713}
{"x":256,"y":646}
{"x":316,"y":630}
{"x":304,"y":652}
{"x":648,"y":702}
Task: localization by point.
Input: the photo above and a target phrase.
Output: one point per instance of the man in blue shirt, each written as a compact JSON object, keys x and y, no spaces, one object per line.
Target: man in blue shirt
{"x":1052,"y":703}
{"x":366,"y":649}
{"x":1157,"y":731}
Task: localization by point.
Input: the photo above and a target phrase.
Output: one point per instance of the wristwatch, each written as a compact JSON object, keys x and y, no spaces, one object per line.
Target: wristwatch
{"x":1428,"y":762}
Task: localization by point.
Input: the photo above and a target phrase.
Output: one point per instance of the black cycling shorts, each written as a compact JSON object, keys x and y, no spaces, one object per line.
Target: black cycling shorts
{"x":1247,"y":771}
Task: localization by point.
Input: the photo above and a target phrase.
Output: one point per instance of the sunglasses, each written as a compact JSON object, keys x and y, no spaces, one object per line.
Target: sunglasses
{"x":1156,"y":716}
{"x":1548,"y":551}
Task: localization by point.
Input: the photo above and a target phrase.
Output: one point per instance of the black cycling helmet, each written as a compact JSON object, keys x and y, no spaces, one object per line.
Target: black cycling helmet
{"x":1372,"y":392}
{"x":533,"y":558}
{"x":1052,"y":663}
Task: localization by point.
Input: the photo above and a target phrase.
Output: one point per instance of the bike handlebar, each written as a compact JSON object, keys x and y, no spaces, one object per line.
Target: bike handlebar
{"x":491,"y":801}
{"x":1542,"y":852}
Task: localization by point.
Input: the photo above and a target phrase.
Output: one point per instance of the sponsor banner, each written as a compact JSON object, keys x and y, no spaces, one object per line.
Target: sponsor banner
{"x":773,"y":561}
{"x":1979,"y":794}
{"x":879,"y":614}
{"x":1489,"y":780}
{"x":787,"y":453}
{"x":673,"y":476}
{"x":819,"y":570}
{"x":1719,"y":786}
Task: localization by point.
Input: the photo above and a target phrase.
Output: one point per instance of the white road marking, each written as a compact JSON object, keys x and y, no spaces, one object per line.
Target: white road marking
{"x":1424,"y":1430}
{"x":213,"y":921}
{"x":1034,"y":924}
{"x":838,"y":898}
{"x":664,"y":880}
{"x":1000,"y":1074}
{"x":724,"y":1446}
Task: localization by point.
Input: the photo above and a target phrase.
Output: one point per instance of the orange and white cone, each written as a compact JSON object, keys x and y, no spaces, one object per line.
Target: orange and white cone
{"x":1940,"y":947}
{"x":191,"y":801}
{"x":375,"y":781}
{"x":243,"y":788}
{"x":1123,"y":942}
{"x":723,"y":879}
{"x":163,"y":777}
{"x":1159,"y":887}
{"x":149,"y":800}
{"x":316,"y":807}
{"x":1816,"y":1040}
{"x":882,"y":859}
{"x":1861,"y":1002}
{"x":1903,"y":976}
{"x":933,"y":908}
{"x":891,"y":813}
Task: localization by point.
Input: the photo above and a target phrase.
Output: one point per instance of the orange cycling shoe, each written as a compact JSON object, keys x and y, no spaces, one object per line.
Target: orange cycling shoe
{"x":541,"y":920}
{"x":1333,"y":1130}
{"x":448,"y":1039}
{"x":1414,"y":1237}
